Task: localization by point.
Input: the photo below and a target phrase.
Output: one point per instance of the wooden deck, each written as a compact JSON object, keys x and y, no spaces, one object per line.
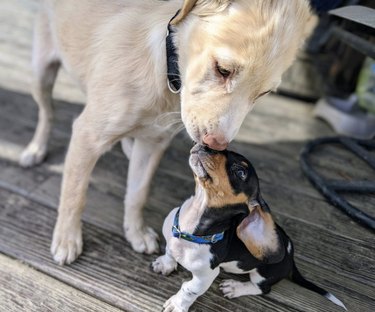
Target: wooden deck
{"x":331,"y":250}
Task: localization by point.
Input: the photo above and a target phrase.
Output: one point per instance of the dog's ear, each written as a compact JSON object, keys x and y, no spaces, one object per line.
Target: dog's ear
{"x":260,"y":235}
{"x":203,"y":8}
{"x":186,"y":8}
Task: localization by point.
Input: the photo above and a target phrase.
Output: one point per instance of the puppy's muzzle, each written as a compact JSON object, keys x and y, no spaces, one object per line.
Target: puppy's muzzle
{"x":199,"y":159}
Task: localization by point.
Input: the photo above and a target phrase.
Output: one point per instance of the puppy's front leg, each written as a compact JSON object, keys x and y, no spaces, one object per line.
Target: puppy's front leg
{"x":145,"y":157}
{"x":191,"y":290}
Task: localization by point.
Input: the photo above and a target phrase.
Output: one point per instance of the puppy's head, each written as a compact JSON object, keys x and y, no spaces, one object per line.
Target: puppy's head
{"x":232,"y":52}
{"x":228,"y":179}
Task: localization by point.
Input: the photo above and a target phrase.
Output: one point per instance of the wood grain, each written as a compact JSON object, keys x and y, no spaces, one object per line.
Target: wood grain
{"x":25,"y":289}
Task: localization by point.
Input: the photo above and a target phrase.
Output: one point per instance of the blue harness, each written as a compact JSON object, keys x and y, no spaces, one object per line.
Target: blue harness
{"x":204,"y":239}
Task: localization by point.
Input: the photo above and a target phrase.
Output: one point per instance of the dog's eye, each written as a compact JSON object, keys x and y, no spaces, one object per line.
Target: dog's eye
{"x":241,"y":173}
{"x":222,"y":71}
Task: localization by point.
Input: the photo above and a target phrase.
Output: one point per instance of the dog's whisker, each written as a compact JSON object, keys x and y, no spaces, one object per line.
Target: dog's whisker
{"x":178,"y":130}
{"x":168,"y":119}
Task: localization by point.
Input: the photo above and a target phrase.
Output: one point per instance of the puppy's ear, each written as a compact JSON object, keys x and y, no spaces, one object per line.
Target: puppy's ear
{"x":186,"y":8}
{"x":260,"y":235}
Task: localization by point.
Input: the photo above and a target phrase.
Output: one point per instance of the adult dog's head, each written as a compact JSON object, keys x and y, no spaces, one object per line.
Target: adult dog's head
{"x":232,"y":52}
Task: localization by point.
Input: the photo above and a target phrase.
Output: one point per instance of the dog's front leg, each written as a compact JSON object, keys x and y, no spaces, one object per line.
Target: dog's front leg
{"x":86,"y":145}
{"x":145,"y":157}
{"x":191,"y":290}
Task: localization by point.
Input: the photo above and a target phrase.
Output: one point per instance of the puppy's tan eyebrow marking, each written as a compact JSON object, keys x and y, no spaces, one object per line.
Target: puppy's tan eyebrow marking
{"x":244,"y":164}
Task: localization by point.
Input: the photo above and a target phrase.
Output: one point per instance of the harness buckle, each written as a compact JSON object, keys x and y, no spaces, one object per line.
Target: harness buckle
{"x":213,"y":239}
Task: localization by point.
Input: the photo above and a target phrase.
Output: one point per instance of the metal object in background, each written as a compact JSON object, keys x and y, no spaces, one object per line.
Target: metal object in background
{"x":331,"y":188}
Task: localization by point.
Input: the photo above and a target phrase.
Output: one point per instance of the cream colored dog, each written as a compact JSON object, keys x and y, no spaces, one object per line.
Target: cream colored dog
{"x":229,"y":54}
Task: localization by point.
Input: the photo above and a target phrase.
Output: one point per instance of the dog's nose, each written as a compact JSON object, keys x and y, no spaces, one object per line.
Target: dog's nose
{"x":216,"y":142}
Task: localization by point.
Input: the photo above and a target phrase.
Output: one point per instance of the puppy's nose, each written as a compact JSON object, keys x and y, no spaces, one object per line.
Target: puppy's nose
{"x":216,"y":142}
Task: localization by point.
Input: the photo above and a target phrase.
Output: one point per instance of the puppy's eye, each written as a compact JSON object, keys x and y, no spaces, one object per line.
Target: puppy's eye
{"x":242,"y":174}
{"x":239,"y":171}
{"x":222,"y":71}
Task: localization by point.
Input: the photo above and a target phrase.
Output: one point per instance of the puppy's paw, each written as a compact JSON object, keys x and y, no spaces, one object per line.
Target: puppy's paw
{"x":164,"y":265}
{"x":231,"y":288}
{"x":144,"y":240}
{"x":32,"y":155}
{"x":172,"y":305}
{"x":66,"y":244}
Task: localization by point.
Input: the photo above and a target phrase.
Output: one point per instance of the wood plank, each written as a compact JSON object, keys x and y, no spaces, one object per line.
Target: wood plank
{"x":25,"y":289}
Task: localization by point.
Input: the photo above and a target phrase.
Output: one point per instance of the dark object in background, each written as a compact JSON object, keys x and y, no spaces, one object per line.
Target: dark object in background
{"x":348,"y":101}
{"x":327,"y":66}
{"x":331,"y":189}
{"x":337,"y":63}
{"x":321,"y":6}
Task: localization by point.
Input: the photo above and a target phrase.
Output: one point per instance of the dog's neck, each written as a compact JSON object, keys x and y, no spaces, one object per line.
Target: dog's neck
{"x":198,"y":218}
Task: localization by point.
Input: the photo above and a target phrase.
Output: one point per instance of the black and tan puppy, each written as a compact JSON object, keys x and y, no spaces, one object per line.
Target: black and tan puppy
{"x":227,"y":225}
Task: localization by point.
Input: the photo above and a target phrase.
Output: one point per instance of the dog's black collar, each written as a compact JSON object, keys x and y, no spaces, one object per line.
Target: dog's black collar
{"x":173,"y":72}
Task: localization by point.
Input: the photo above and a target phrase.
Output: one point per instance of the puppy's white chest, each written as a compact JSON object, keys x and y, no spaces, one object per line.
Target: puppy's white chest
{"x":190,"y":255}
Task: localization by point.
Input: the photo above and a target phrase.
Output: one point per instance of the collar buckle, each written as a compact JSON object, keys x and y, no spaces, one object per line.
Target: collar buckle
{"x":177,"y":231}
{"x":172,"y":88}
{"x":214,"y":239}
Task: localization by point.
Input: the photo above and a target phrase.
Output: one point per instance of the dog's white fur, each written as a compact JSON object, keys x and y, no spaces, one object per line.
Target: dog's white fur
{"x":116,"y":51}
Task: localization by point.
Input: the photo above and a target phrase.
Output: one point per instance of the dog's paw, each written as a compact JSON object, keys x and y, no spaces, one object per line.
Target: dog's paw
{"x":164,"y":265}
{"x":32,"y":155}
{"x":66,"y":245}
{"x":172,"y":305}
{"x":231,"y":288}
{"x":144,"y":240}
